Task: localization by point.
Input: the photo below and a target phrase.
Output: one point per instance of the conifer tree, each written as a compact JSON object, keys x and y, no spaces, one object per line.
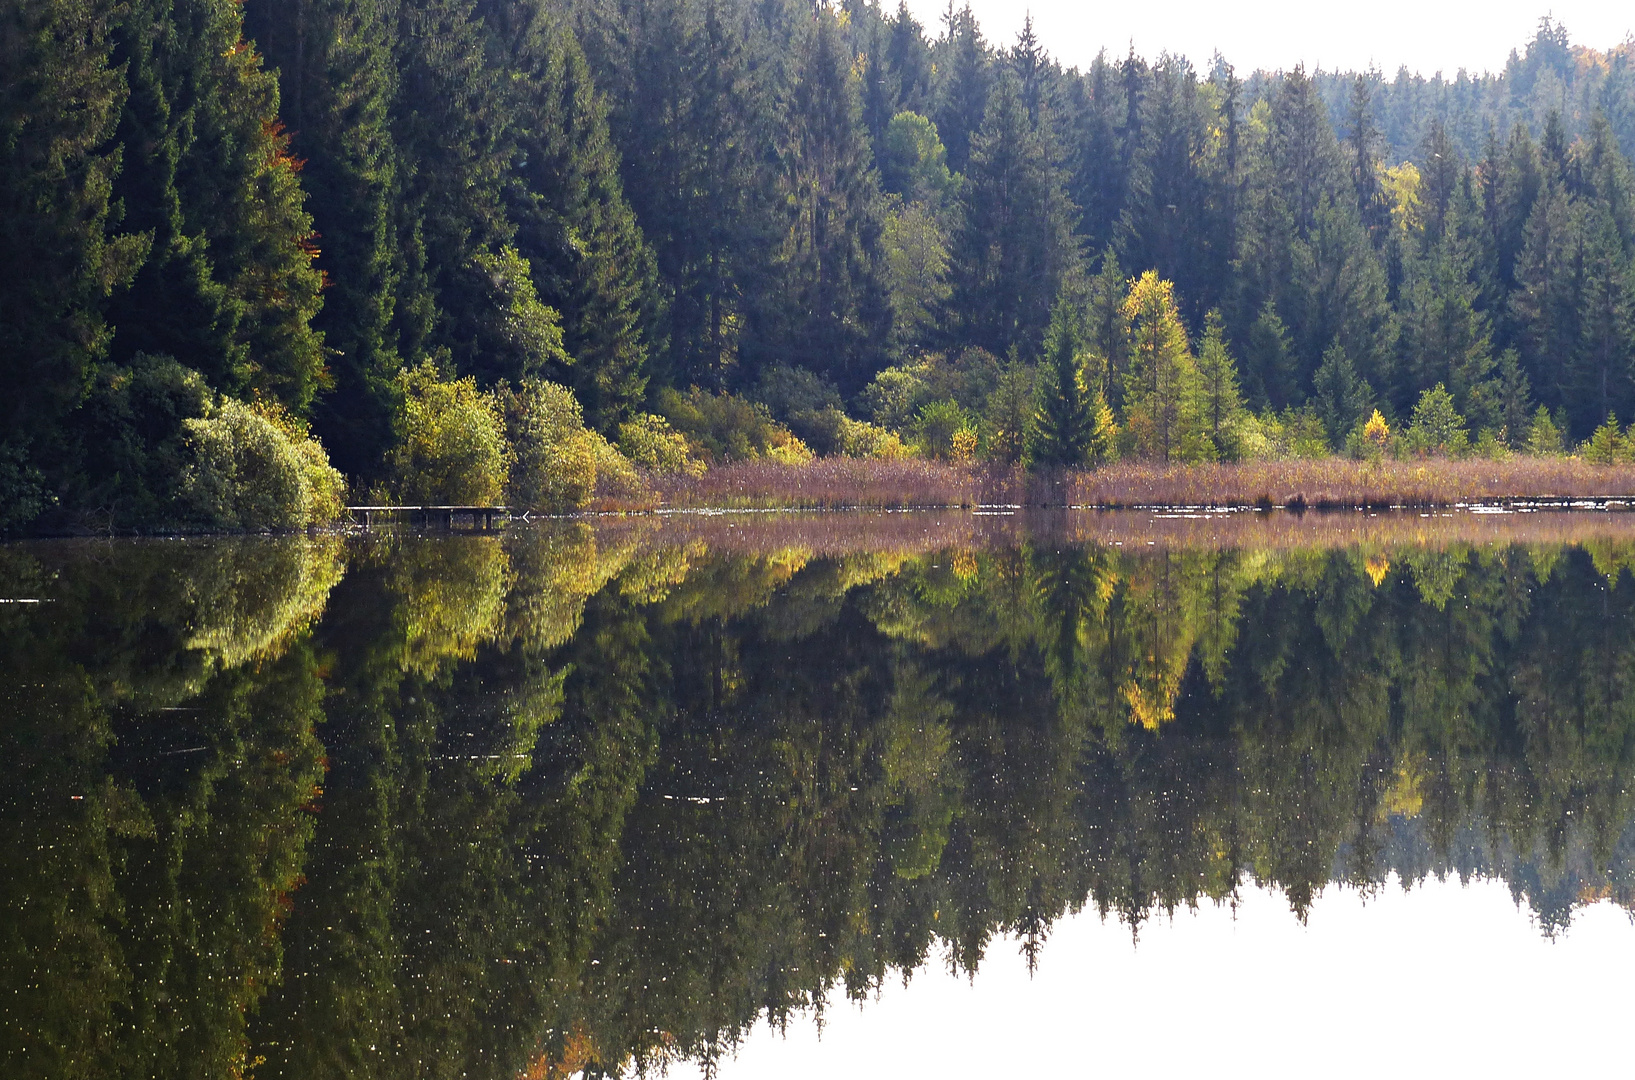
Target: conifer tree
{"x":338,"y":84}
{"x":1220,"y":403}
{"x":834,"y":316}
{"x":229,"y":287}
{"x":1544,"y":307}
{"x":1599,"y":385}
{"x":1107,"y":331}
{"x":1160,"y":389}
{"x":1342,"y":397}
{"x":962,"y":92}
{"x":1064,"y":425}
{"x":587,"y":256}
{"x":1016,"y":247}
{"x":59,"y":103}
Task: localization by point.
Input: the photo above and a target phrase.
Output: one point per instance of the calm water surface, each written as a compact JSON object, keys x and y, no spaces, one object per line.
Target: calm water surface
{"x":966,"y":795}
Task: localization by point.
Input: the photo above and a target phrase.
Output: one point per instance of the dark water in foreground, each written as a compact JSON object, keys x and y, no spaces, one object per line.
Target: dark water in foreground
{"x":574,"y":798}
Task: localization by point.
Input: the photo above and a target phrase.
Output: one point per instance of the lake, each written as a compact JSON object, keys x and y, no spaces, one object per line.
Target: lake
{"x":801,"y":795}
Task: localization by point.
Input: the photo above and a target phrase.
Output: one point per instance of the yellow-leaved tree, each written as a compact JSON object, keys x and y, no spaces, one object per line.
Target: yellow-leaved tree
{"x":1161,"y":381}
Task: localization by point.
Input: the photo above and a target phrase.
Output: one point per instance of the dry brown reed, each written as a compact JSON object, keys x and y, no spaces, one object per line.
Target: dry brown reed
{"x":839,"y":483}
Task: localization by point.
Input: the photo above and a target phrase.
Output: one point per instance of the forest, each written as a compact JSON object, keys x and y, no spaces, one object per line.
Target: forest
{"x":266,"y":257}
{"x":574,"y":798}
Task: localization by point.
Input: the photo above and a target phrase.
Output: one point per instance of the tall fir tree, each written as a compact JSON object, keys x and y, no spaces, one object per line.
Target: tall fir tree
{"x":60,"y":102}
{"x":1064,"y":424}
{"x":229,"y":287}
{"x":1016,"y":246}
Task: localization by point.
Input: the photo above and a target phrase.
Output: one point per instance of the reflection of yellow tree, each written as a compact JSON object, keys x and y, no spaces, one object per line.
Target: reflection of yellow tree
{"x":253,"y":597}
{"x":453,"y":594}
{"x":556,"y":570}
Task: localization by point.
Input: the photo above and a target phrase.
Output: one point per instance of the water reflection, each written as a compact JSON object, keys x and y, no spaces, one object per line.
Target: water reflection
{"x":596,"y":799}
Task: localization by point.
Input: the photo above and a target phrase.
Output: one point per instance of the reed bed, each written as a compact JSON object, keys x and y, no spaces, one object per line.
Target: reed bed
{"x":920,"y":532}
{"x":841,"y":483}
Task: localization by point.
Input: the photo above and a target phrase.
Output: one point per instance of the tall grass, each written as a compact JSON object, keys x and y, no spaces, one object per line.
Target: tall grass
{"x":843,"y":483}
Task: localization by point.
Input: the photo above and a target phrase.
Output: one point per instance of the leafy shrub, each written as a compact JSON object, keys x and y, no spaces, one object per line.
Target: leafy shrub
{"x":553,"y":464}
{"x":136,"y":445}
{"x":23,"y":494}
{"x":650,"y":443}
{"x":253,"y":468}
{"x":1292,"y":435}
{"x":939,"y":424}
{"x":1370,"y":439}
{"x":725,"y":427}
{"x":860,"y":439}
{"x":451,"y":447}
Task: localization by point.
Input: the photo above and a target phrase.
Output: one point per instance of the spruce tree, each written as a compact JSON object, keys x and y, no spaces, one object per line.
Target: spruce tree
{"x":338,"y":83}
{"x":833,"y":315}
{"x":229,"y":287}
{"x":1065,"y":421}
{"x":1599,"y":384}
{"x":1016,"y":246}
{"x":59,"y":103}
{"x":587,"y":256}
{"x":962,"y":92}
{"x":1343,"y":398}
{"x":1220,"y":402}
{"x":1544,"y":307}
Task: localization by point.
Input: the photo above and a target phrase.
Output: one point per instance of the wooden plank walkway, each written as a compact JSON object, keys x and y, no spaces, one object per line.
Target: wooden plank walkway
{"x":483,"y":516}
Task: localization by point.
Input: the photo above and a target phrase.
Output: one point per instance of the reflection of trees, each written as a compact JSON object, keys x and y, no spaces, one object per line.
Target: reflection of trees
{"x":149,"y":855}
{"x":596,"y":803}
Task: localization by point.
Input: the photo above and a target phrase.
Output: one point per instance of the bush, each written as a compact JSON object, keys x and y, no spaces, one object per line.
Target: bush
{"x":255,"y":468}
{"x":1293,"y":435}
{"x":451,"y":447}
{"x":860,"y":439}
{"x":553,"y":464}
{"x":650,"y":443}
{"x":725,"y":427}
{"x":136,"y":445}
{"x":937,"y":427}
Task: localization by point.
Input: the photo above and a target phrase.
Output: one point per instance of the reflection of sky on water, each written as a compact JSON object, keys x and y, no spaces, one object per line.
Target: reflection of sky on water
{"x":1444,"y":980}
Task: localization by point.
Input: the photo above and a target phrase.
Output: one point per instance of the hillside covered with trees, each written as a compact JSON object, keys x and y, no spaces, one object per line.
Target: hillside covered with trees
{"x":265,"y":253}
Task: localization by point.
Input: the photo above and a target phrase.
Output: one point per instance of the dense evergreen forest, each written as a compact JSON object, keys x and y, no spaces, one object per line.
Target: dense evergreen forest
{"x":476,"y":806}
{"x":246,"y":240}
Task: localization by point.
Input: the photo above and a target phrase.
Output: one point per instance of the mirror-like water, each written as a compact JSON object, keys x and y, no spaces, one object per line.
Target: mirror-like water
{"x":609,"y":797}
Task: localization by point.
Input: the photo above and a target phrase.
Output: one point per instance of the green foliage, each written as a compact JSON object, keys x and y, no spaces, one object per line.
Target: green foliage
{"x":553,"y":456}
{"x":1220,"y":404}
{"x":1436,"y":426}
{"x":1544,"y":435}
{"x":1064,"y":422}
{"x":1608,"y":445}
{"x":1161,"y":394}
{"x":650,"y":443}
{"x":1342,"y":398}
{"x":255,"y":469}
{"x":914,"y":163}
{"x":725,"y":427}
{"x":938,"y":429}
{"x":451,"y":447}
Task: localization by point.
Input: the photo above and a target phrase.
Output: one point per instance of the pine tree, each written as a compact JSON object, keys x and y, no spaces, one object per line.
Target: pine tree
{"x":962,"y":92}
{"x":588,"y":258}
{"x":1544,"y":307}
{"x":1599,"y":385}
{"x":1107,"y":329}
{"x":1064,"y":425}
{"x":1161,"y":385}
{"x":834,"y":314}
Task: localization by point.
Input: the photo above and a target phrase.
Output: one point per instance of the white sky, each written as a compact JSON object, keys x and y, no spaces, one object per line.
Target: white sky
{"x":1444,"y":981}
{"x":1426,"y":35}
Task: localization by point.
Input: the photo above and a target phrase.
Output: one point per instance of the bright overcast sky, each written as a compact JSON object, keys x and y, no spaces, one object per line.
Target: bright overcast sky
{"x":1426,"y":35}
